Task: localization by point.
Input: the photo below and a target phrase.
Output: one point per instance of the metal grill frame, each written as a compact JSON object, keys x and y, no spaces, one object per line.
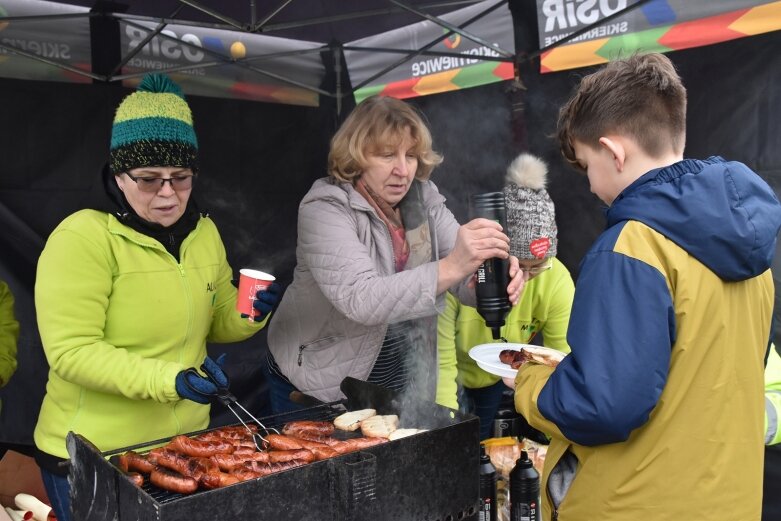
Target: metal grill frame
{"x":431,"y":476}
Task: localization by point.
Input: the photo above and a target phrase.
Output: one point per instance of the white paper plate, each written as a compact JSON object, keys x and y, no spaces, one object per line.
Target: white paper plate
{"x":487,"y":357}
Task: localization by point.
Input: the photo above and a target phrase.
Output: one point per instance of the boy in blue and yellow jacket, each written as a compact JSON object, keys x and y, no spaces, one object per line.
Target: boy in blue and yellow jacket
{"x":657,"y":413}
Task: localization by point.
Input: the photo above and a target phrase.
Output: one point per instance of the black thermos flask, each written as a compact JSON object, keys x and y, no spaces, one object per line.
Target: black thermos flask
{"x":493,"y":275}
{"x":487,"y":488}
{"x":524,"y":490}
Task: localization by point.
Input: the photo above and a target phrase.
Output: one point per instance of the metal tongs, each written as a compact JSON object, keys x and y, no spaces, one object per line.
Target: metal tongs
{"x":227,"y":398}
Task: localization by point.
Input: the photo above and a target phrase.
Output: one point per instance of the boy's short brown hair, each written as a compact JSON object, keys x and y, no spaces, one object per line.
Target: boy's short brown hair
{"x":641,"y":97}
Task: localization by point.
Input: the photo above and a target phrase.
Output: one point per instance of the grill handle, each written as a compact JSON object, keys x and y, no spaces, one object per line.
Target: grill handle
{"x":354,"y":486}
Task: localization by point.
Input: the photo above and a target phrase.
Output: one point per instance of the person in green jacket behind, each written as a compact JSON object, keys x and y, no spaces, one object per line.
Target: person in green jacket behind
{"x":771,"y":496}
{"x":128,"y":294}
{"x":9,"y":335}
{"x":772,"y":397}
{"x":543,"y":309}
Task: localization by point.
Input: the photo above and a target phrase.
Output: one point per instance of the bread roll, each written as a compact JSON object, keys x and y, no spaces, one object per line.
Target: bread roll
{"x":380,"y":426}
{"x":350,"y":421}
{"x":403,"y":433}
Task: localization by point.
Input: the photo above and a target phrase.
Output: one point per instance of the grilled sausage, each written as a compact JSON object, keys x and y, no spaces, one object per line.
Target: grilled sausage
{"x":353,"y":444}
{"x":205,"y":471}
{"x":264,"y":469}
{"x":320,"y":450}
{"x":132,"y":461}
{"x":322,"y":428}
{"x":217,"y":479}
{"x":278,"y":456}
{"x":229,"y":462}
{"x":136,"y":478}
{"x":172,"y":481}
{"x":507,"y":356}
{"x":317,"y":438}
{"x":245,"y":474}
{"x":243,"y":444}
{"x":223,"y":436}
{"x":282,"y":442}
{"x":153,"y":454}
{"x":227,"y":479}
{"x":238,"y":428}
{"x":323,"y":452}
{"x":173,"y":460}
{"x":514,"y":358}
{"x":199,"y":449}
{"x":185,"y":465}
{"x":243,"y":451}
{"x":232,"y":433}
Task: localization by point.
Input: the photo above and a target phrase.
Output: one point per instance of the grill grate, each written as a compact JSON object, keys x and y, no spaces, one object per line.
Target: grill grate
{"x":363,"y":485}
{"x":401,"y":479}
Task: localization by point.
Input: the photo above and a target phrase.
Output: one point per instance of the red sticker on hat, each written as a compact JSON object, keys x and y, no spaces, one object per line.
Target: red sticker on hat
{"x":539,"y":247}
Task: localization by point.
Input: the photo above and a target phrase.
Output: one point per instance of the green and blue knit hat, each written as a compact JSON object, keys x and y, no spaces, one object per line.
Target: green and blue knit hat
{"x":153,"y":127}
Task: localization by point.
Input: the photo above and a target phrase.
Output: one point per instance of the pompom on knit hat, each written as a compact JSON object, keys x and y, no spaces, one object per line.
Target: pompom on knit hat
{"x":153,"y":127}
{"x":531,"y":216}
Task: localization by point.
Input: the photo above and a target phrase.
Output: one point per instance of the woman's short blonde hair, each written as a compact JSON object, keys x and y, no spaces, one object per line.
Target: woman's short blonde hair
{"x":376,"y":123}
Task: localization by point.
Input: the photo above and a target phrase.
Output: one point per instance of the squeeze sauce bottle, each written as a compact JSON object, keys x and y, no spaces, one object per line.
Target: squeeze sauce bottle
{"x":524,"y":490}
{"x":493,"y":275}
{"x":487,"y":487}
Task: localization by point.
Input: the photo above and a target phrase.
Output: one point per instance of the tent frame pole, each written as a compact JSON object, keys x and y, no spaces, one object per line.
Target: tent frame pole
{"x":426,"y":47}
{"x":455,"y":29}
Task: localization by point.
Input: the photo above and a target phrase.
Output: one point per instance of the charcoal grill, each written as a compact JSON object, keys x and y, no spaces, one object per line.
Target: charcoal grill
{"x":430,"y":476}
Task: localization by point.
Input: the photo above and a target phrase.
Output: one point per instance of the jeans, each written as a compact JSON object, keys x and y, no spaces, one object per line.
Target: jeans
{"x":58,"y":489}
{"x":279,"y":391}
{"x":483,"y":402}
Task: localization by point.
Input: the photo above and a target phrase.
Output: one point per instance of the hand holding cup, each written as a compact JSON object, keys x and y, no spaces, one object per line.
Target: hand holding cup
{"x":257,"y":293}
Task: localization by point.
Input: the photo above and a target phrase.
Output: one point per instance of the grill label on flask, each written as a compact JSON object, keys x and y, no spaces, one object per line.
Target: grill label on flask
{"x":485,"y":510}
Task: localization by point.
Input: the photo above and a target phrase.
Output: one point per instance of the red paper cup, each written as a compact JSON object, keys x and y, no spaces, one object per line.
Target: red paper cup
{"x":250,"y":282}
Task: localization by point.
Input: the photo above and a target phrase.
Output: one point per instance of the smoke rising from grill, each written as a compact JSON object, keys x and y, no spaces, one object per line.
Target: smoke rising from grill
{"x":473,"y":133}
{"x":422,"y":369}
{"x":252,"y":244}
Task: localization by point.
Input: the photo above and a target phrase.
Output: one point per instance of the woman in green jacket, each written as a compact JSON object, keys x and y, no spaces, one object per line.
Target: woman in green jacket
{"x":9,"y":335}
{"x":543,"y":309}
{"x":127,"y":296}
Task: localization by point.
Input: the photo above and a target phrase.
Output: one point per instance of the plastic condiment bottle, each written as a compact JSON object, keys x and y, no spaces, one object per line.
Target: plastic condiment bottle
{"x":487,"y":487}
{"x":524,"y":490}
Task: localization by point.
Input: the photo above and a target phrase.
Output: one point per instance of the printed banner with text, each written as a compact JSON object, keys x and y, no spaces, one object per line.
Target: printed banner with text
{"x":226,"y":64}
{"x":655,"y":26}
{"x":429,"y":74}
{"x":32,"y":49}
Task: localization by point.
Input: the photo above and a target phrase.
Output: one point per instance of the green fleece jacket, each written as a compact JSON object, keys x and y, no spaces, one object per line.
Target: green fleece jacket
{"x":9,"y":334}
{"x":772,"y":397}
{"x":119,"y":317}
{"x":544,"y":308}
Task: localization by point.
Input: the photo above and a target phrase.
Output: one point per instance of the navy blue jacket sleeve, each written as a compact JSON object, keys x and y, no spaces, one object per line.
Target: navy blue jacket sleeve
{"x":621,"y":333}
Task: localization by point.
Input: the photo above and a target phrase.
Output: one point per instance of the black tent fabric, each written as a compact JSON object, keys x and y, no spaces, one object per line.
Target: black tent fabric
{"x":259,"y":159}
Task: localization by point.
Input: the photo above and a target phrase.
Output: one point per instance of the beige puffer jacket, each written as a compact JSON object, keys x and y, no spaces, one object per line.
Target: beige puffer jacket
{"x":333,"y":317}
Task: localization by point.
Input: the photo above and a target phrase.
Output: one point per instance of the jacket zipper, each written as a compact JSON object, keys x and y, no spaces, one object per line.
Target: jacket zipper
{"x":309,"y":344}
{"x":554,"y":508}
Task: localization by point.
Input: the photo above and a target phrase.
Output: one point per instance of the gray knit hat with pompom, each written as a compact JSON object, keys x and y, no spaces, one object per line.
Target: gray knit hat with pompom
{"x":531,"y":217}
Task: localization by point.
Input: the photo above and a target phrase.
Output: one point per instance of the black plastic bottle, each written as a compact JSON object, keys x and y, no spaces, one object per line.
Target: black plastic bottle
{"x":493,"y":275}
{"x":524,"y":491}
{"x":487,"y":488}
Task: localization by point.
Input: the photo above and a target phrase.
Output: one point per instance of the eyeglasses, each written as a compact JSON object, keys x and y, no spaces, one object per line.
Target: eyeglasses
{"x":154,"y":184}
{"x":536,"y":270}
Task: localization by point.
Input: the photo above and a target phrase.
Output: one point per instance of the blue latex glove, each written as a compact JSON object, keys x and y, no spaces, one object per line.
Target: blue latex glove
{"x":265,"y":300}
{"x":190,"y":385}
